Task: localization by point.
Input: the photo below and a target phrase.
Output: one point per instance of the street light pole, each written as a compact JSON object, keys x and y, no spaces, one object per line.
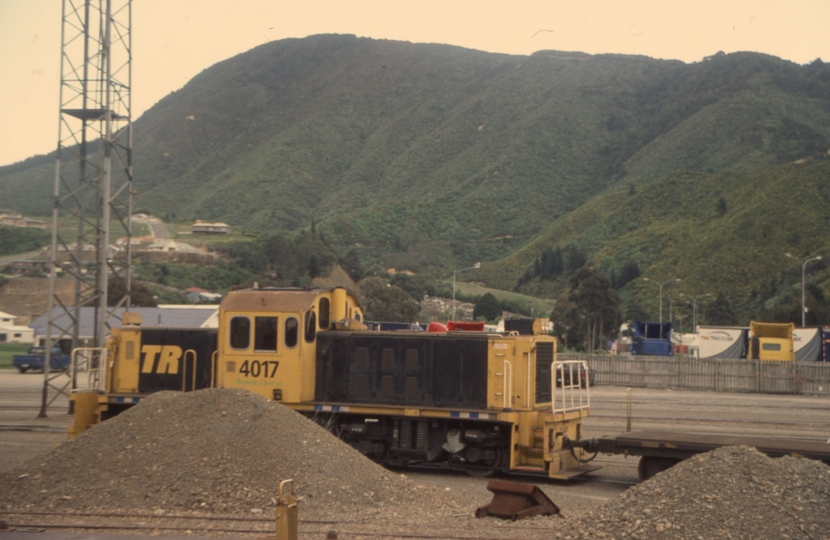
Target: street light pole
{"x":661,"y":292}
{"x":476,"y":266}
{"x":694,"y":308}
{"x":803,"y":283}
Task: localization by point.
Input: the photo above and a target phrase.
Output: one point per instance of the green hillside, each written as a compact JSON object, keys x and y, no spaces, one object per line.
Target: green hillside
{"x":725,"y":232}
{"x":432,"y":157}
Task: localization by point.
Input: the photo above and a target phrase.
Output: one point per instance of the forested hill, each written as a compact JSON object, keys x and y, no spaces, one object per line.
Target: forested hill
{"x":448,"y":154}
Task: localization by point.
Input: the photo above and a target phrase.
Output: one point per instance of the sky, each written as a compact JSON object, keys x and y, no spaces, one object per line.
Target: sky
{"x":174,"y":40}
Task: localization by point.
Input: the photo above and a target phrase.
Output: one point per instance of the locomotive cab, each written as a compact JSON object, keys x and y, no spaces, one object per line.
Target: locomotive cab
{"x":268,"y":338}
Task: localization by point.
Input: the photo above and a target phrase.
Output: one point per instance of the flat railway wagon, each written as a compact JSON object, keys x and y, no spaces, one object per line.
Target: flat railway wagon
{"x":482,"y":402}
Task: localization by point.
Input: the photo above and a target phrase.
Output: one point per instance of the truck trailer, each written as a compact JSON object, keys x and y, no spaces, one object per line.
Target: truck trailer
{"x":651,"y":339}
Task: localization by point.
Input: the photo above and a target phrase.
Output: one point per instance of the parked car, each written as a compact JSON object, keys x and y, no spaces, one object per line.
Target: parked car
{"x":586,"y":377}
{"x":34,"y":360}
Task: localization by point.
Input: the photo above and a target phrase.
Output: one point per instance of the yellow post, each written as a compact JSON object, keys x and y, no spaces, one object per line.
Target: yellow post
{"x":286,"y":513}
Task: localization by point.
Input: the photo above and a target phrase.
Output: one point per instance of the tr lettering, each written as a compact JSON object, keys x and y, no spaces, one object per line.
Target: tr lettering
{"x":161,"y":358}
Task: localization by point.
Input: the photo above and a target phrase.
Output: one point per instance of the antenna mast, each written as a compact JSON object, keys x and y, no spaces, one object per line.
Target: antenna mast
{"x":93,"y":183}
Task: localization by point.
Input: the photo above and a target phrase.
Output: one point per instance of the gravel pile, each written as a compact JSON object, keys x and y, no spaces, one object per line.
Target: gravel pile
{"x":729,"y":493}
{"x":215,"y":450}
{"x":224,"y":452}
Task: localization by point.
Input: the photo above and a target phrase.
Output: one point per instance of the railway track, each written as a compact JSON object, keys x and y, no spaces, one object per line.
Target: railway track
{"x":153,"y":524}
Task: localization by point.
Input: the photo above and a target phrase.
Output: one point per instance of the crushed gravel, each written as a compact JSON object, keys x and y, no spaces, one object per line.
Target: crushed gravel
{"x":215,"y":450}
{"x":224,"y":452}
{"x":729,"y":493}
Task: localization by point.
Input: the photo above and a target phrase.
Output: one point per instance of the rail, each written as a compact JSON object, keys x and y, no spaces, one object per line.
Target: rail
{"x":719,"y":375}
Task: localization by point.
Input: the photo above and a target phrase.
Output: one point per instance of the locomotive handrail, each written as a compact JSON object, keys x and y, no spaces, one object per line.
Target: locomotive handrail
{"x":184,"y":370}
{"x":93,"y":374}
{"x":527,"y":381}
{"x":572,"y":397}
{"x":214,"y":357}
{"x":508,"y":367}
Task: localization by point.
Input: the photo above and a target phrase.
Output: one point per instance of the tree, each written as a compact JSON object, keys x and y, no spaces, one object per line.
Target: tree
{"x":591,"y":310}
{"x":351,"y":264}
{"x":384,"y":302}
{"x":635,"y":312}
{"x":416,"y":286}
{"x":281,"y":257}
{"x":488,"y":307}
{"x":573,"y":259}
{"x":720,"y":312}
{"x":628,"y":273}
{"x":313,"y":267}
{"x":140,"y":296}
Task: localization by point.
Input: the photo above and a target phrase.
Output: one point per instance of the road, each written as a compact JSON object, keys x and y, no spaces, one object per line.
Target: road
{"x":42,"y":252}
{"x":22,"y":434}
{"x":159,"y":230}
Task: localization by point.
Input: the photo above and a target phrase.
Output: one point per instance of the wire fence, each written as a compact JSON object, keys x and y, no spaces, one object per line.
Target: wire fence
{"x":717,"y":375}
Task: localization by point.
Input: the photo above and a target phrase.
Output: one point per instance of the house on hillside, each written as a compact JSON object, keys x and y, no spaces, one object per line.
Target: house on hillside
{"x":14,"y":333}
{"x":171,"y":246}
{"x":23,"y":222}
{"x":29,"y":266}
{"x":201,"y":296}
{"x":135,"y":241}
{"x":201,"y":227}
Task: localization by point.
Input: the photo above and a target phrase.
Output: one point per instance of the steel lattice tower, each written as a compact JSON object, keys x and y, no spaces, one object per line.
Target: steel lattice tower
{"x":93,"y":180}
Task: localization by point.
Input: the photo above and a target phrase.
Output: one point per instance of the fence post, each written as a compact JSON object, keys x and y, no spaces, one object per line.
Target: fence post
{"x":757,"y":376}
{"x":677,"y":372}
{"x":795,"y":378}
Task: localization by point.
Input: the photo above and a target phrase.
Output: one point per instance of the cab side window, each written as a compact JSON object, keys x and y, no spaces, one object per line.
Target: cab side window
{"x":265,"y":334}
{"x":325,"y":313}
{"x":310,"y":326}
{"x":292,"y":331}
{"x":240,"y":333}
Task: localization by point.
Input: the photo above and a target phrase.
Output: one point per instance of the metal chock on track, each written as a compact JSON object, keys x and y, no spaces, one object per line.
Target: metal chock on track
{"x":514,"y":500}
{"x":286,"y":513}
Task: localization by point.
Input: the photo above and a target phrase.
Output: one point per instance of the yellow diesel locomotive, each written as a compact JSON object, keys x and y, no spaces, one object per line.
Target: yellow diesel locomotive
{"x":479,"y":401}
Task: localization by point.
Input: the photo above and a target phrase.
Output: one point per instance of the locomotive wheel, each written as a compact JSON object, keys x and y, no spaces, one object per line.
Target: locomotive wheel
{"x":479,"y":473}
{"x":494,"y":463}
{"x":651,"y":465}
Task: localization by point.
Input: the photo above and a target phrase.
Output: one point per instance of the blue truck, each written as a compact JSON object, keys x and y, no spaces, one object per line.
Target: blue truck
{"x":651,"y":339}
{"x":34,"y":360}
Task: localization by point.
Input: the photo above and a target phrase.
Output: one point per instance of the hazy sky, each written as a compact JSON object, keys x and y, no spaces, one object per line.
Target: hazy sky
{"x":173,"y":40}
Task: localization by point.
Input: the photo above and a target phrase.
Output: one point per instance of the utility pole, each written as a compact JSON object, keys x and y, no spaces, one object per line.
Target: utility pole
{"x":694,"y":308}
{"x":659,"y":284}
{"x":803,"y":285}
